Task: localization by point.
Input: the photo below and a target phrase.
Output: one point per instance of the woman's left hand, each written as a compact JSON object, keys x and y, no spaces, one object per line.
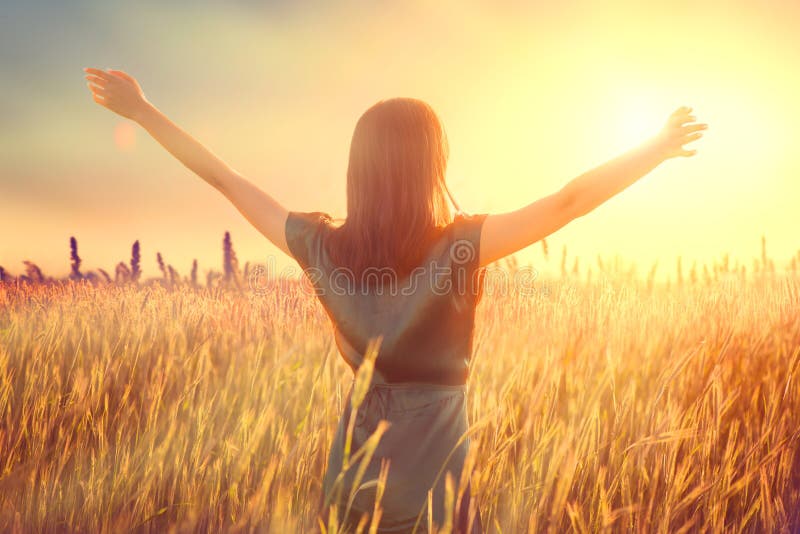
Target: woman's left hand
{"x":117,"y":91}
{"x":681,"y":128}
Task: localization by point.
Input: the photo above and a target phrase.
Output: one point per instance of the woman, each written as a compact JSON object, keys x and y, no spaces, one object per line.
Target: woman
{"x":400,"y":279}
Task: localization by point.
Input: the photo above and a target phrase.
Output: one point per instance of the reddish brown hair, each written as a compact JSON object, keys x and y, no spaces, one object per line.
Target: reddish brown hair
{"x":396,"y":191}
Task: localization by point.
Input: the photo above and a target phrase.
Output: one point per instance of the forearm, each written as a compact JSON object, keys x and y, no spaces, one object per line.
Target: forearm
{"x":183,"y":146}
{"x":594,"y":187}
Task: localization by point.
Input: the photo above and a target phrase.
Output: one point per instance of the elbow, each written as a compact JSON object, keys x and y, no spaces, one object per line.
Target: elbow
{"x":223,"y":180}
{"x":570,"y":203}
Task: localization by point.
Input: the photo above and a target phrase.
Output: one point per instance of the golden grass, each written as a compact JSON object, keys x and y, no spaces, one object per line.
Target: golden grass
{"x":609,"y":405}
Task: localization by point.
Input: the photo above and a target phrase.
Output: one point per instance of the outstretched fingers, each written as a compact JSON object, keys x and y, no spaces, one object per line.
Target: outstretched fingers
{"x":681,"y":112}
{"x":99,"y":73}
{"x":116,"y":90}
{"x":681,"y":119}
{"x":94,"y":88}
{"x":692,"y":137}
{"x":99,"y":99}
{"x":690,"y":128}
{"x":97,"y":80}
{"x":122,"y":74}
{"x":685,"y":139}
{"x":681,"y":129}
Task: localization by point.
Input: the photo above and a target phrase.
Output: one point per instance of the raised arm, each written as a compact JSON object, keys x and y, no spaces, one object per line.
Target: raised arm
{"x":121,"y":93}
{"x":506,"y":233}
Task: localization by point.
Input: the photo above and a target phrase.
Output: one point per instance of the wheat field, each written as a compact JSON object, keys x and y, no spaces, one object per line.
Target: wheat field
{"x":605,"y":404}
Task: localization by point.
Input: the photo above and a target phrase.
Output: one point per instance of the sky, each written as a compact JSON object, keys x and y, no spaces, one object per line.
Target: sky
{"x":530,"y":94}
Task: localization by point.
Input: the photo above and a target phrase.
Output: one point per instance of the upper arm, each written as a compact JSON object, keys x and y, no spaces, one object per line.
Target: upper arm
{"x":266,"y":214}
{"x":506,"y":233}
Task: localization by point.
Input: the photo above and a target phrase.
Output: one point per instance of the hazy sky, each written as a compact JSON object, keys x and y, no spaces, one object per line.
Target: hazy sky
{"x":531,"y":95}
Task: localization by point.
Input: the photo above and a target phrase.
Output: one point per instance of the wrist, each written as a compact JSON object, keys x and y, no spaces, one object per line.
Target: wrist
{"x":143,"y":112}
{"x":656,"y":149}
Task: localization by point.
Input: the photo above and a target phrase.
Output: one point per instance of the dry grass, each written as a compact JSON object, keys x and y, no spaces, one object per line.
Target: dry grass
{"x":605,"y":405}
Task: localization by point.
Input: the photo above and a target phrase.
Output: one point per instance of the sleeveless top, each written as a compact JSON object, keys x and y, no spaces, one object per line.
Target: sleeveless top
{"x":426,"y":322}
{"x":425,"y":319}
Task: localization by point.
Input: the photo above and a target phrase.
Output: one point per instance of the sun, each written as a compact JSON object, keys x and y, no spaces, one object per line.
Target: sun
{"x":639,"y":119}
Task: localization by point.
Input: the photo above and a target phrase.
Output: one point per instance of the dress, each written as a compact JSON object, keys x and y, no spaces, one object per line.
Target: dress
{"x":419,"y":386}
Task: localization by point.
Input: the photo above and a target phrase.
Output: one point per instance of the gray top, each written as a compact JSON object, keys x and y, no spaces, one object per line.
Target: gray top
{"x":426,"y":321}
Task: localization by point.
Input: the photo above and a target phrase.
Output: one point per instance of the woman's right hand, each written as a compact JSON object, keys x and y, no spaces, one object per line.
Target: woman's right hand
{"x":118,"y":91}
{"x":681,"y":128}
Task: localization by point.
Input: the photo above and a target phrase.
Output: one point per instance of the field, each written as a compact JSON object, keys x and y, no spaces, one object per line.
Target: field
{"x":604,"y":404}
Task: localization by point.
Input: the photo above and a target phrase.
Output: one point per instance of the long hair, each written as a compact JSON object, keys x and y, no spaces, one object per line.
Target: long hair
{"x":396,"y":190}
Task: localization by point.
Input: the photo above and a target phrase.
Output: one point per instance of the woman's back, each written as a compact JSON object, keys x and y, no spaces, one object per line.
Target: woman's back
{"x":424,"y":321}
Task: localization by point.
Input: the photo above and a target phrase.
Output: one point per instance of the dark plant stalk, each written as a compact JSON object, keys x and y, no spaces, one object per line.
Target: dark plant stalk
{"x":194,"y":273}
{"x":229,"y":261}
{"x":161,"y":265}
{"x":136,"y":259}
{"x":174,"y":277}
{"x":75,"y":260}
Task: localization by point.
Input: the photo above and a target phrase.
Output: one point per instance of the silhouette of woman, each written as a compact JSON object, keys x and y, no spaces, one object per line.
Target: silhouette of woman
{"x":400,"y":280}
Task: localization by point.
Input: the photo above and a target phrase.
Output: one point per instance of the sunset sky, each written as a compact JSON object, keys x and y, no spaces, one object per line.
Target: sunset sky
{"x":530,"y":96}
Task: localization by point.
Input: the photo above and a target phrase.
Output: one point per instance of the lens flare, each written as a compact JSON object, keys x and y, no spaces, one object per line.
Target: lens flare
{"x":125,"y":136}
